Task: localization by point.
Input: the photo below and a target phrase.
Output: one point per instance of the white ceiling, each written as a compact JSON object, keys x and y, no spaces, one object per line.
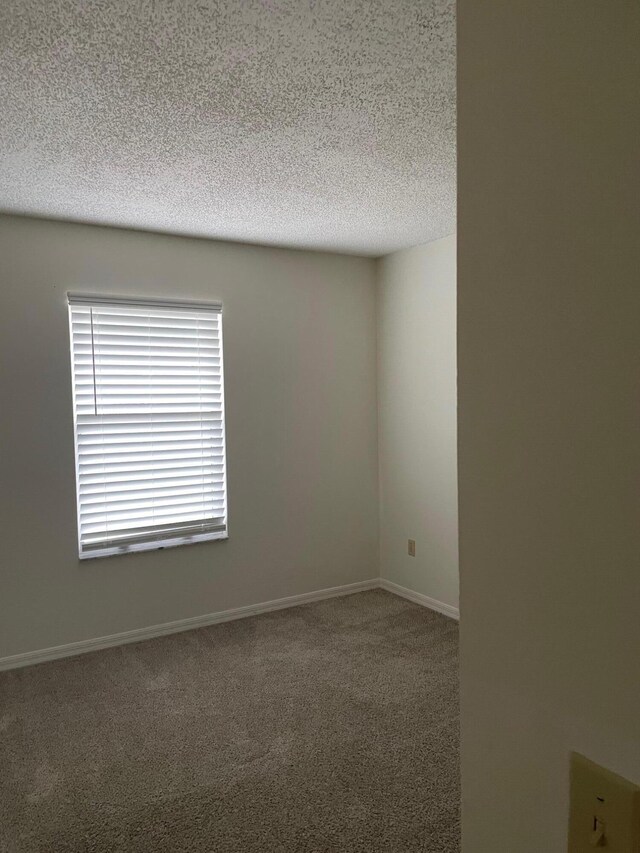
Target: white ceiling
{"x":325,"y":124}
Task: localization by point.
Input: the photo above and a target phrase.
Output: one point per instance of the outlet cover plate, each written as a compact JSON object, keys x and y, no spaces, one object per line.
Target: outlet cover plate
{"x":602,"y":801}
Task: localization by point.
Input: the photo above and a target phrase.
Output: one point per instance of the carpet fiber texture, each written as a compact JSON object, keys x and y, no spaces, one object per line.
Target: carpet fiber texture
{"x":327,"y":727}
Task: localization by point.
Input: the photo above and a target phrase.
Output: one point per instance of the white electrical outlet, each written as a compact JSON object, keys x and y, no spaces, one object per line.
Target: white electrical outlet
{"x":604,"y":810}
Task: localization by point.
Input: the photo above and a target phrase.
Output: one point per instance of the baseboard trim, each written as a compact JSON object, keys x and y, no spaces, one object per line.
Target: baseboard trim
{"x":139,"y":634}
{"x":418,"y":598}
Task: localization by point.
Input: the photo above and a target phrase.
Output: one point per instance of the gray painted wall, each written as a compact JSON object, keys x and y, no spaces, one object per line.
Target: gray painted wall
{"x":417,"y":419}
{"x":300,"y":362}
{"x":548,"y":308}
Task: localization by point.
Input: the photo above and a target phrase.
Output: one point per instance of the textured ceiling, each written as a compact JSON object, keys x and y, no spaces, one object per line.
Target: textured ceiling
{"x":324,"y":124}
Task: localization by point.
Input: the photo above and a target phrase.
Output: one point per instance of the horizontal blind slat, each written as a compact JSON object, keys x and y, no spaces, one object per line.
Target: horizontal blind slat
{"x":134,"y":437}
{"x":110,"y":383}
{"x":152,"y":534}
{"x":127,"y":323}
{"x":134,"y":325}
{"x":122,"y":487}
{"x":146,"y":521}
{"x":150,"y":408}
{"x":195,"y":417}
{"x":145,"y":509}
{"x":120,"y":482}
{"x":99,"y":496}
{"x":147,"y":456}
{"x":113,"y":363}
{"x":113,"y":433}
{"x":132,"y":469}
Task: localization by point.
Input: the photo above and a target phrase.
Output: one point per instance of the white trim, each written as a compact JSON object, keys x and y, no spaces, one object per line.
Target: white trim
{"x":418,"y":598}
{"x":138,"y":634}
{"x":137,"y":530}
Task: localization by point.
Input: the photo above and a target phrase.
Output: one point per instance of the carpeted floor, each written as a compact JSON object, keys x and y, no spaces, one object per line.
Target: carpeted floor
{"x":328,"y":727}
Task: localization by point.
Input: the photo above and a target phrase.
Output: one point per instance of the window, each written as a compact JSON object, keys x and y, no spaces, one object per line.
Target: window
{"x":149,"y":423}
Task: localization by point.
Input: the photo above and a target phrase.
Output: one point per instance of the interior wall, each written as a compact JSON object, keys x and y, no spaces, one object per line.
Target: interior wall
{"x":300,"y":381}
{"x":417,"y":419}
{"x":548,"y":307}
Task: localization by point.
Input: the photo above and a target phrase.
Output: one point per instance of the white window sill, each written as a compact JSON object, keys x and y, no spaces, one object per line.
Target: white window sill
{"x":157,"y":545}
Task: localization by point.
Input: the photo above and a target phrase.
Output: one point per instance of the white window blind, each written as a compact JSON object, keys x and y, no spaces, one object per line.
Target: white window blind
{"x":149,"y":423}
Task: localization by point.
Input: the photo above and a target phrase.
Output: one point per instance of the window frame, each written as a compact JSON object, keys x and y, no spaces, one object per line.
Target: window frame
{"x":162,"y":542}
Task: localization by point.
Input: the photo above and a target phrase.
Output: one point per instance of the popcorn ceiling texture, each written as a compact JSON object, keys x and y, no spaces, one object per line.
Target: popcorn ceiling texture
{"x":325,"y":124}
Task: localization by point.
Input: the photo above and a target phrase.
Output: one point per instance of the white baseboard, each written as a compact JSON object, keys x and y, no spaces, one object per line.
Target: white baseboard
{"x":418,"y":598}
{"x":138,"y":634}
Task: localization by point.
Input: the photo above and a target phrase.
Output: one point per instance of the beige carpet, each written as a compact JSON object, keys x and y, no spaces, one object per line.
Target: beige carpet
{"x":328,"y":727}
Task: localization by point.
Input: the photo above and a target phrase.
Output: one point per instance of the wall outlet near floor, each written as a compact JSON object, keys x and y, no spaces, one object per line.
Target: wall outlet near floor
{"x":604,"y":809}
{"x":411,"y":548}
